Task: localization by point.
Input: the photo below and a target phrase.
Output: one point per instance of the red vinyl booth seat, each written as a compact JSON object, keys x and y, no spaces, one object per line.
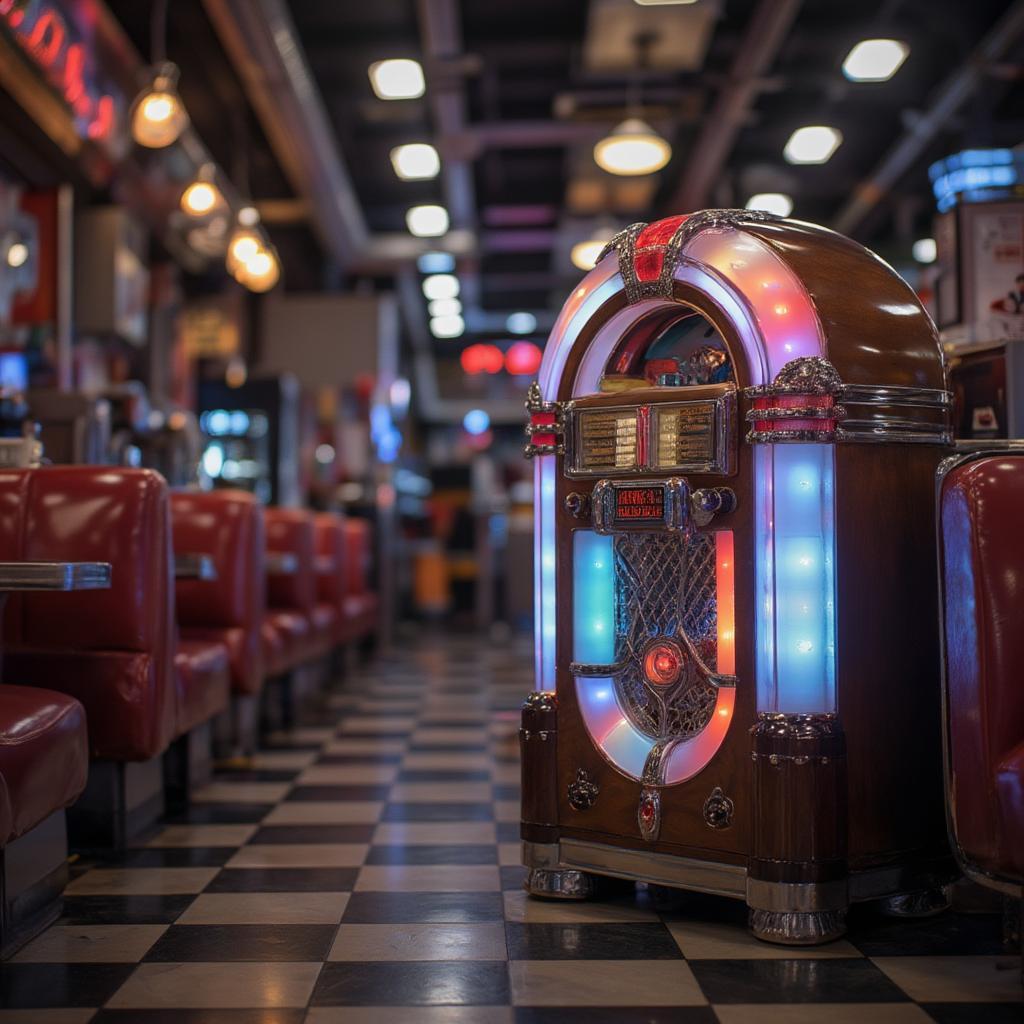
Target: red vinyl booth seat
{"x":203,"y":678}
{"x":331,"y":571}
{"x":44,"y":757}
{"x":292,"y":597}
{"x":111,"y":649}
{"x":981,"y":502}
{"x":228,"y":527}
{"x":360,"y":600}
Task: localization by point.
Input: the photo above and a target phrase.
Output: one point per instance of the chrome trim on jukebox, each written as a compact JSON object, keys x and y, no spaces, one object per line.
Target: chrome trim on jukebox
{"x":581,"y":669}
{"x":719,"y":458}
{"x":535,"y":405}
{"x":656,"y":868}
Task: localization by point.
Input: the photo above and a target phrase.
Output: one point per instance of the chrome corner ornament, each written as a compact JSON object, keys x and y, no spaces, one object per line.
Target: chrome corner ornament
{"x":541,"y":700}
{"x":718,"y":809}
{"x":583,"y":791}
{"x":545,"y":425}
{"x":799,"y":405}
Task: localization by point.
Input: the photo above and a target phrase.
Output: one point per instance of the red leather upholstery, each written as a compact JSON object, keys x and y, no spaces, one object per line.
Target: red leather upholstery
{"x":983,"y":571}
{"x":203,"y":677}
{"x":360,"y":601}
{"x":111,"y":649}
{"x":291,"y":597}
{"x":44,"y":756}
{"x":331,"y":574}
{"x":228,"y":526}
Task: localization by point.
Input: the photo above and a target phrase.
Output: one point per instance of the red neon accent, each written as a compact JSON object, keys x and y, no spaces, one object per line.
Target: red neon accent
{"x":725,"y":595}
{"x":643,"y":429}
{"x":523,"y":358}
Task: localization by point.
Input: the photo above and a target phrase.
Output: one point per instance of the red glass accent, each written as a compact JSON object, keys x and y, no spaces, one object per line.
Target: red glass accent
{"x":825,"y":403}
{"x":543,"y":439}
{"x":650,"y":247}
{"x":643,"y":420}
{"x":647,"y":809}
{"x":662,"y":664}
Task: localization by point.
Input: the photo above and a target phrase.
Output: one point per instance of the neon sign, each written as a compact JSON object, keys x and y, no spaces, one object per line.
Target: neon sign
{"x":59,"y":45}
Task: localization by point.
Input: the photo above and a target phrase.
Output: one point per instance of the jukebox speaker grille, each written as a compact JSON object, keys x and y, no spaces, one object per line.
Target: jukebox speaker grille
{"x":666,"y":588}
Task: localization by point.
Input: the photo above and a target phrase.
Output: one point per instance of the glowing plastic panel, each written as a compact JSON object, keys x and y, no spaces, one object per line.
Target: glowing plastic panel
{"x":686,"y":759}
{"x":544,"y":628}
{"x":593,"y":601}
{"x":725,"y":594}
{"x":612,"y":732}
{"x":796,"y":615}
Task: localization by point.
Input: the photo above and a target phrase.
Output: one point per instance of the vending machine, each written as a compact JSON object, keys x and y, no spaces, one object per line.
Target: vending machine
{"x":735,"y":433}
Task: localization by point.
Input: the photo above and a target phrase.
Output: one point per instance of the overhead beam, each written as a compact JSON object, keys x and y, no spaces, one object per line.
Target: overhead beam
{"x":263,"y":44}
{"x":946,"y":101}
{"x":766,"y":32}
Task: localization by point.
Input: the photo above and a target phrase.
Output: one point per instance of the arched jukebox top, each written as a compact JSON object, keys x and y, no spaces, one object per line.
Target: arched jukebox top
{"x":700,"y":350}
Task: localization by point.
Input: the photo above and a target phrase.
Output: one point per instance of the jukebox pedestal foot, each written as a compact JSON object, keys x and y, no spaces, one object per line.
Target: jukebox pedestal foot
{"x":917,"y":904}
{"x":559,"y":884}
{"x":798,"y":928}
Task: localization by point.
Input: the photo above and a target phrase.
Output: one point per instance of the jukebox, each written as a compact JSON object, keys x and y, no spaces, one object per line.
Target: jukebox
{"x":735,"y":432}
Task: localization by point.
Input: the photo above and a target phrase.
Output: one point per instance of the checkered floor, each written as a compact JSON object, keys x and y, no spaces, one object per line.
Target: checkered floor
{"x":365,"y":869}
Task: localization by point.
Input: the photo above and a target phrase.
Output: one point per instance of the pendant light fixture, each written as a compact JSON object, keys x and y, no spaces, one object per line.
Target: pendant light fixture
{"x":634,"y":147}
{"x":158,"y":117}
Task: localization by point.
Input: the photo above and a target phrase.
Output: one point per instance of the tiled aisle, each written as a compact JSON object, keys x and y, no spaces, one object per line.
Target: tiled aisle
{"x":369,"y":860}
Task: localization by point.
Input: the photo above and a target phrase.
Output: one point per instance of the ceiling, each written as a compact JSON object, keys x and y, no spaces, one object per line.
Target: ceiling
{"x":518,"y":92}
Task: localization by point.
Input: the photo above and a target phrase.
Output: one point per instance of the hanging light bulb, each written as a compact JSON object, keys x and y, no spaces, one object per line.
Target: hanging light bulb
{"x":634,"y":147}
{"x":202,"y":196}
{"x":158,"y":117}
{"x":244,"y":245}
{"x":260,"y":272}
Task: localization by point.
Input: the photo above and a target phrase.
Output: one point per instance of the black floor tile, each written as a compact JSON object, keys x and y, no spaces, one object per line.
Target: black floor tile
{"x":178,"y":1016}
{"x":256,"y":775}
{"x":615,"y":1015}
{"x":850,"y":980}
{"x":423,"y":907}
{"x":465,"y":983}
{"x":430,"y":722}
{"x":505,"y":791}
{"x":415,"y":854}
{"x":438,"y":812}
{"x":178,"y":857}
{"x":359,"y":759}
{"x":284,"y":880}
{"x":220,"y":814}
{"x":944,"y":935}
{"x":271,"y":835}
{"x":590,"y":942}
{"x":419,"y":747}
{"x":397,"y":735}
{"x":215,"y":943}
{"x":329,"y":794}
{"x":508,"y":831}
{"x":440,"y":776}
{"x":26,"y":986}
{"x":975,"y":1013}
{"x":81,"y":910}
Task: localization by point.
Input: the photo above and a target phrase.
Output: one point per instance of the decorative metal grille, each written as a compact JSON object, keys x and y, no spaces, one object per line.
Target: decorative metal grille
{"x":665,"y":587}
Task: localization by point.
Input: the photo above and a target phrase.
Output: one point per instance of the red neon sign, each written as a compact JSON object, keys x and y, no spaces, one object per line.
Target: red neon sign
{"x":58,"y":47}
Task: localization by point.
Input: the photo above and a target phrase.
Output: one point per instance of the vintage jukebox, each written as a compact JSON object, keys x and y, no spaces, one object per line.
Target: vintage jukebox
{"x":735,"y":432}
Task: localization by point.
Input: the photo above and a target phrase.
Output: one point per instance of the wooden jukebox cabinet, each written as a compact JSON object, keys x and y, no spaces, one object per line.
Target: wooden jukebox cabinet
{"x":735,"y":434}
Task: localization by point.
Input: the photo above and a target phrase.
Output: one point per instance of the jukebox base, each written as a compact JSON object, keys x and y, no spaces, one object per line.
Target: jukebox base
{"x":784,"y":913}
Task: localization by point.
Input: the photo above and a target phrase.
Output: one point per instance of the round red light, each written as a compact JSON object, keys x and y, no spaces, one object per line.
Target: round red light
{"x":523,"y":358}
{"x":481,"y":358}
{"x":662,"y":663}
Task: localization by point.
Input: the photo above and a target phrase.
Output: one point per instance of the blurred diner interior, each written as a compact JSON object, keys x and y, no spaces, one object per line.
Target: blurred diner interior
{"x":276,"y":279}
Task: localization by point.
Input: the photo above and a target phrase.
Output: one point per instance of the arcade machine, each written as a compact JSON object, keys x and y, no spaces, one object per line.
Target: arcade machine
{"x":735,"y":434}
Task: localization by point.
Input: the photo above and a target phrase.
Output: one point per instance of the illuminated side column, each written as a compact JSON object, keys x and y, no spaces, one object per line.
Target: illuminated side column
{"x":797,"y":874}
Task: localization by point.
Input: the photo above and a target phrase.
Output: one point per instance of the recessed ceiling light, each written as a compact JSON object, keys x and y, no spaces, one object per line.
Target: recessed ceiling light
{"x":435,"y":263}
{"x":447,"y":326}
{"x":399,"y":79}
{"x":875,"y":60}
{"x":925,"y":250}
{"x":584,"y":254}
{"x":771,"y":202}
{"x":415,"y":161}
{"x":634,"y":147}
{"x":444,"y":307}
{"x":427,"y":221}
{"x":813,"y":144}
{"x":521,"y":323}
{"x":441,"y":286}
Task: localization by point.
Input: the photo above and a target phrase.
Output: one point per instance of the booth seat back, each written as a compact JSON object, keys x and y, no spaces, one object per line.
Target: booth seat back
{"x":358,"y":555}
{"x":981,"y":503}
{"x":290,"y":531}
{"x":331,"y":574}
{"x":112,"y":649}
{"x":228,"y":526}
